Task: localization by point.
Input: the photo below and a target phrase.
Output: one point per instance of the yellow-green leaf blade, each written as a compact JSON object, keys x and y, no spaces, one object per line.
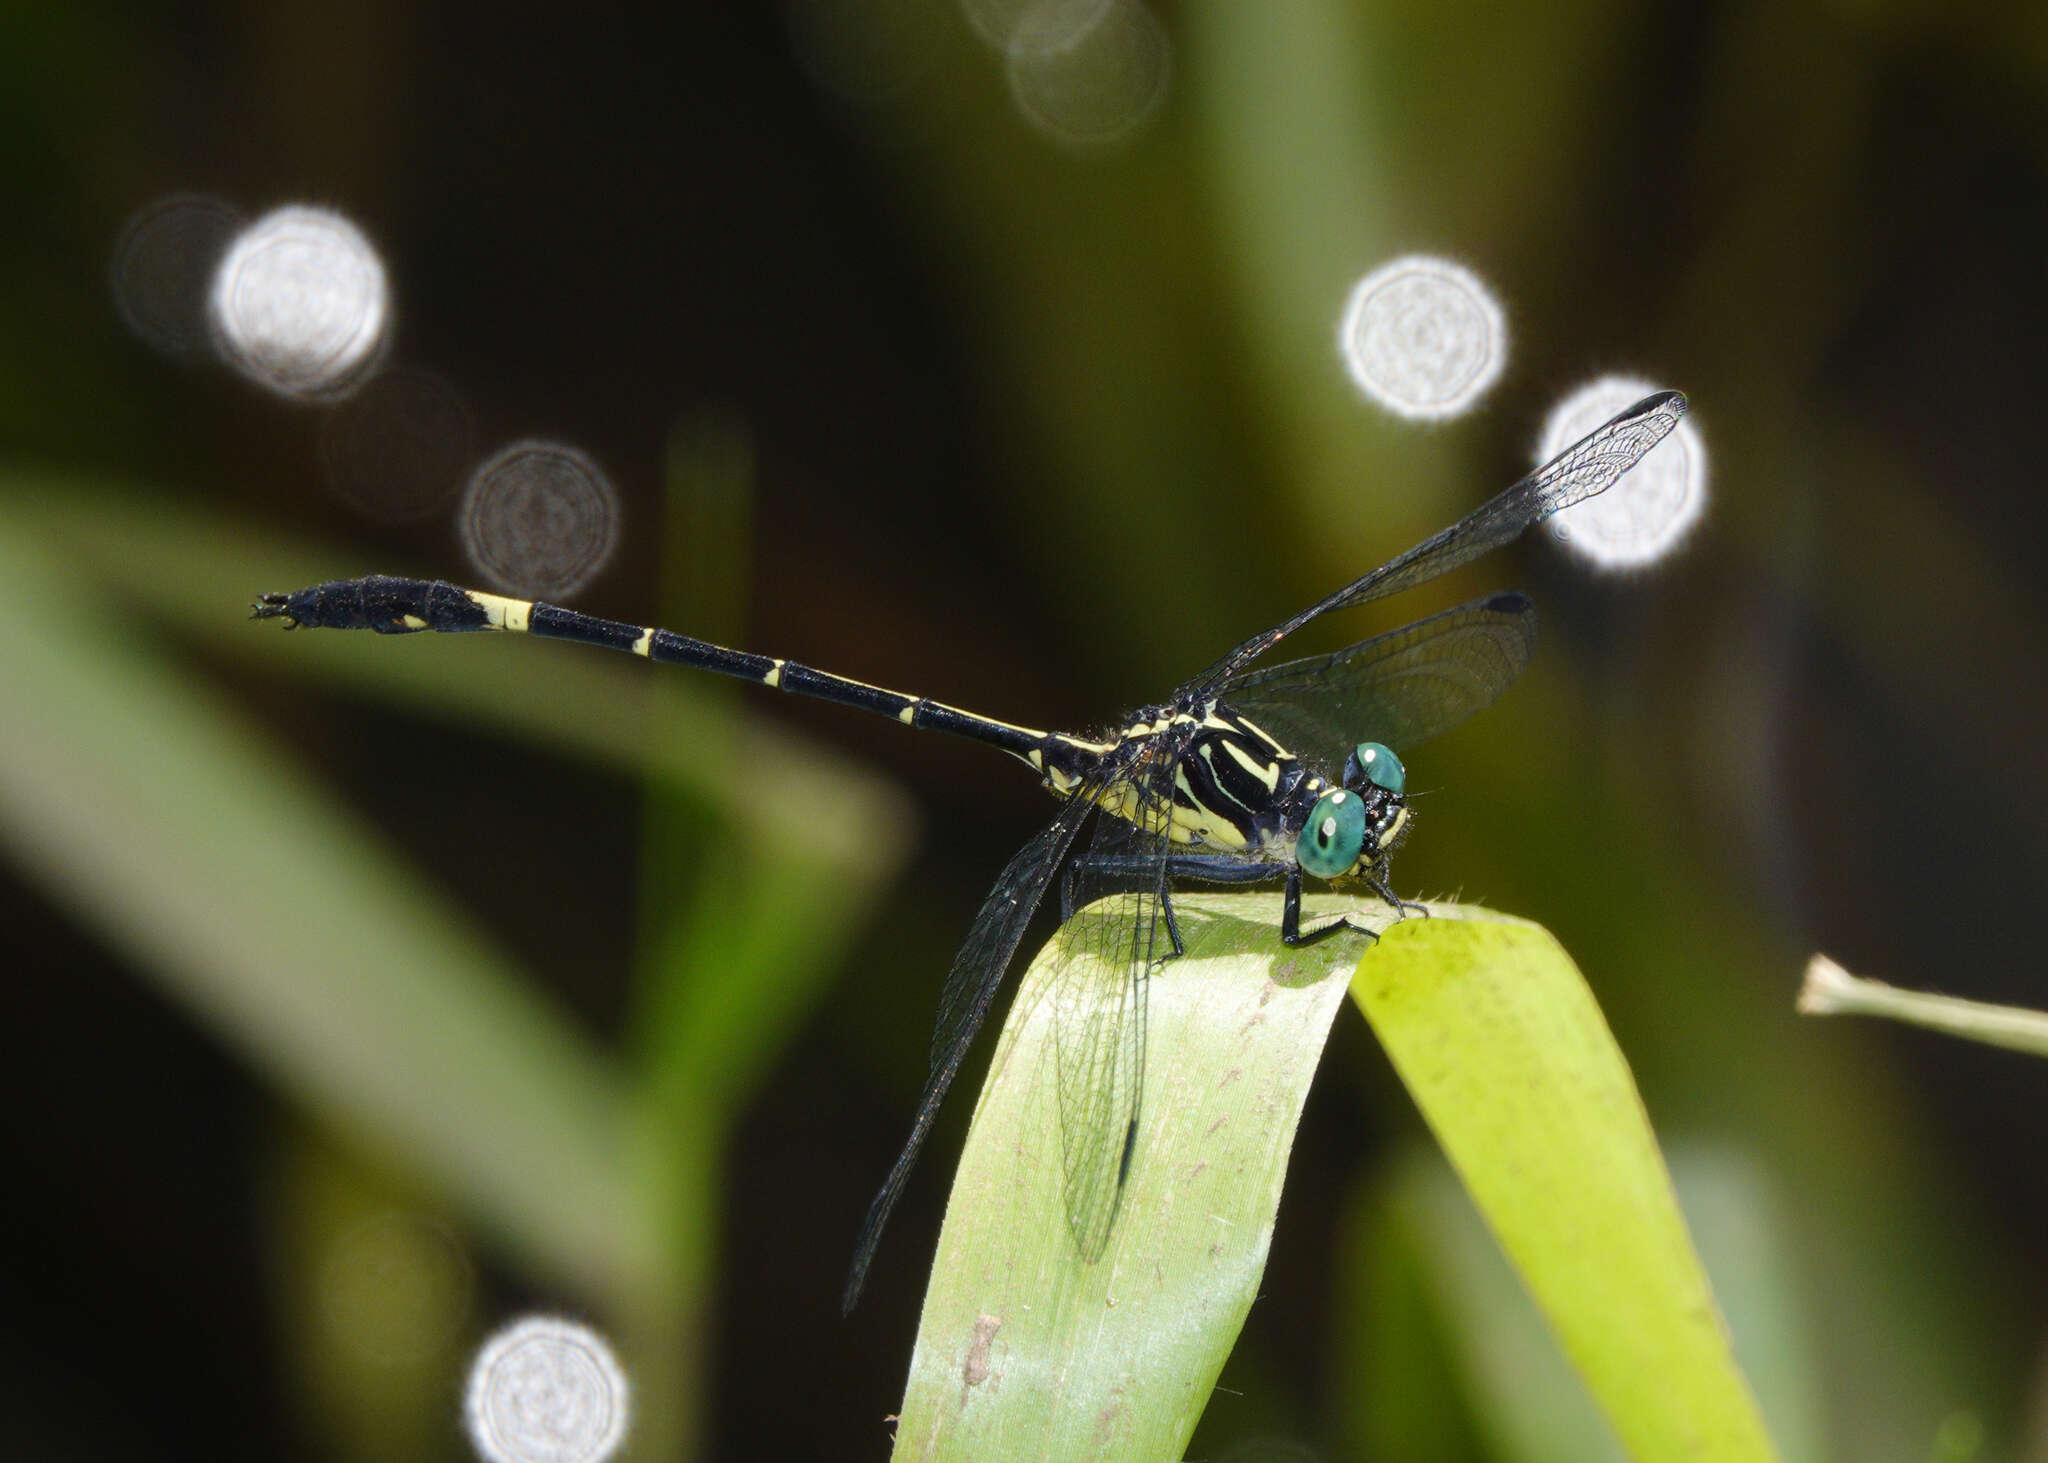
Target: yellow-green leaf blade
{"x":1497,"y":1038}
{"x":1441,"y":1345}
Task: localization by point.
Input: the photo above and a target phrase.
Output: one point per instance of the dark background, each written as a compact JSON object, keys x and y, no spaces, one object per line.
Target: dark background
{"x":1040,"y":428}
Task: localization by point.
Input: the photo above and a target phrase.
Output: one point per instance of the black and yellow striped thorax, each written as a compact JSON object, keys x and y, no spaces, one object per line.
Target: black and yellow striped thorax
{"x":1230,"y":787}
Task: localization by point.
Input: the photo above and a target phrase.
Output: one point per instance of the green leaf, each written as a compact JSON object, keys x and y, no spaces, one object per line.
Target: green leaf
{"x":1500,"y":1043}
{"x":1443,"y":1346}
{"x":1024,"y":1351}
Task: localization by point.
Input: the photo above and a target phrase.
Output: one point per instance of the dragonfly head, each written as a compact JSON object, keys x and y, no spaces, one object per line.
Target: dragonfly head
{"x":1351,"y":828}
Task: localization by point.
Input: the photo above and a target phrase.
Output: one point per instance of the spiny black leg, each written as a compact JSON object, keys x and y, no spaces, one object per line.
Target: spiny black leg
{"x":1401,"y":906}
{"x":1291,"y":932}
{"x":1222,"y":869}
{"x":1199,"y":868}
{"x":1172,"y":924}
{"x":1114,"y":874}
{"x":1378,"y":880}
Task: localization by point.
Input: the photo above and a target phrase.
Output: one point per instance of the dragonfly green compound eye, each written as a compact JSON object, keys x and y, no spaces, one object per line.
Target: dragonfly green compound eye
{"x":1382,"y":767}
{"x":1330,"y":843}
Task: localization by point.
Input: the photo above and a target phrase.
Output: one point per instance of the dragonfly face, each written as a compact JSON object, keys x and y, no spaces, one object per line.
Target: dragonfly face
{"x":1349,"y":831}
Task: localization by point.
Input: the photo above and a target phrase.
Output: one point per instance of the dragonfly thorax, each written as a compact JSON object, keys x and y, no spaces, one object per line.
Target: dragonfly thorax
{"x":1207,"y":777}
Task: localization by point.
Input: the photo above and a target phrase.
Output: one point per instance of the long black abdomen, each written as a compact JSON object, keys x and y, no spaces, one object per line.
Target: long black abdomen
{"x":393,"y":606}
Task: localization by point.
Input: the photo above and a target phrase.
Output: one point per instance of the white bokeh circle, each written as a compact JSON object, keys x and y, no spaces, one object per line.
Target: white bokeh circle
{"x":1423,"y":337}
{"x":300,"y":304}
{"x":546,"y":1390}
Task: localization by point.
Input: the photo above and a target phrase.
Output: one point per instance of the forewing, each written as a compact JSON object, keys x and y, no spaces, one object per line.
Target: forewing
{"x":1401,"y":688}
{"x":1591,"y":465}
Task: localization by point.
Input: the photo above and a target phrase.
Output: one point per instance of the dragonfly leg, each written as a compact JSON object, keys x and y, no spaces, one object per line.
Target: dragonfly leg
{"x":1069,"y":876}
{"x":1172,"y":924}
{"x":1133,"y":872}
{"x":1291,"y":932}
{"x":1378,"y":880}
{"x":1120,"y":874}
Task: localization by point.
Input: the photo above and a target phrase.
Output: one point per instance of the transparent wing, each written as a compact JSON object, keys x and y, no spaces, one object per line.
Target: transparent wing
{"x":1098,"y":999}
{"x":1401,"y":688}
{"x":971,"y":985}
{"x":1591,"y":465}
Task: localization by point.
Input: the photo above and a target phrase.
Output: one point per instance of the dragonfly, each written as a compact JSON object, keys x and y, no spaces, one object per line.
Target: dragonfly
{"x":1248,"y":773}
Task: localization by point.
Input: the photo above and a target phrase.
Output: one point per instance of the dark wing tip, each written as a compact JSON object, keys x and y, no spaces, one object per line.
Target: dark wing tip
{"x":849,"y":1298}
{"x":870,"y":1240}
{"x":1513,"y":605}
{"x":1662,"y":403}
